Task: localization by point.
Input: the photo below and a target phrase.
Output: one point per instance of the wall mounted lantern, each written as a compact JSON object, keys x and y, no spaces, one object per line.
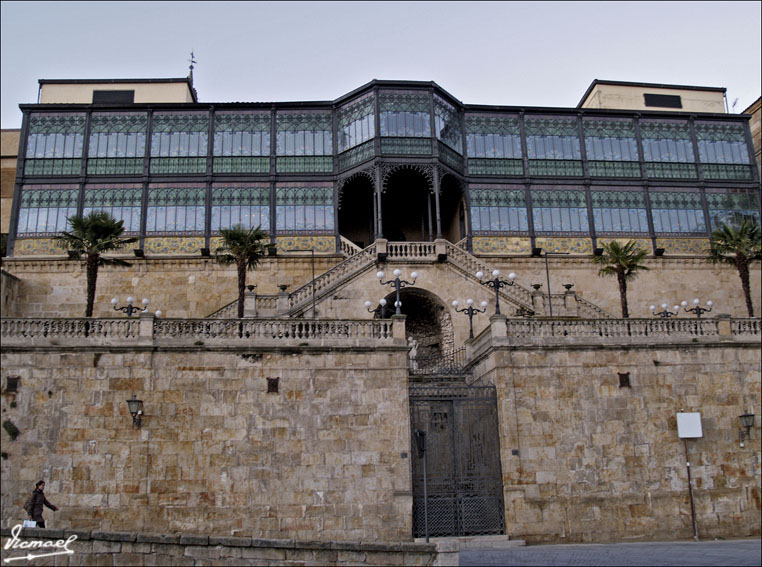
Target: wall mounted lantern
{"x":697,"y":309}
{"x":747,"y":421}
{"x":136,"y":410}
{"x":665,"y":314}
{"x":129,"y":309}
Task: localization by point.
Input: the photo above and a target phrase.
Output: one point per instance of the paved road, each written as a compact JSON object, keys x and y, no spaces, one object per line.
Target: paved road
{"x":725,"y":552}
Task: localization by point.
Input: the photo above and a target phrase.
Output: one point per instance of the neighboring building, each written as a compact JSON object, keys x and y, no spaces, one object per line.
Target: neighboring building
{"x":557,"y":422}
{"x":651,"y":96}
{"x":9,"y":149}
{"x":755,"y":124}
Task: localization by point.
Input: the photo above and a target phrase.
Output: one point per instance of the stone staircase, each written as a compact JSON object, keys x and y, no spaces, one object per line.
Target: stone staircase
{"x":358,"y":261}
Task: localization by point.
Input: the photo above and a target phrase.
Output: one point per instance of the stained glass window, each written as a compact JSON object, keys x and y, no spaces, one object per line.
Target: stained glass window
{"x":610,"y":140}
{"x":677,"y":212}
{"x":241,"y":204}
{"x":723,"y":151}
{"x":619,"y":211}
{"x":117,"y":143}
{"x":493,"y":136}
{"x":55,"y":144}
{"x":405,"y":114}
{"x":180,"y":135}
{"x":666,"y":141}
{"x":499,"y":210}
{"x":732,"y":208}
{"x":175,"y":209}
{"x":357,"y":122}
{"x":242,"y":134}
{"x":179,"y":142}
{"x":45,"y":209}
{"x":123,"y":202}
{"x":304,"y":209}
{"x":447,"y":124}
{"x":304,"y":134}
{"x":552,"y":138}
{"x":559,"y":210}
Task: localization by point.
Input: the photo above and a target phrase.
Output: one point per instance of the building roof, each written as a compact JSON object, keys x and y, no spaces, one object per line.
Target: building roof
{"x":186,"y":80}
{"x":645,"y":85}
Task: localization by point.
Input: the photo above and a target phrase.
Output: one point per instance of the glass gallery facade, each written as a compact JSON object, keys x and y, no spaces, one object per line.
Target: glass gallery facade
{"x":395,"y":160}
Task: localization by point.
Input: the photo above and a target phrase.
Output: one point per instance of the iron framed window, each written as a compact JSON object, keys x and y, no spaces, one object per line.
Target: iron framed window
{"x":561,"y":210}
{"x":241,"y":142}
{"x":732,"y":207}
{"x":447,"y":125}
{"x":117,"y":143}
{"x":499,"y":210}
{"x":45,"y":209}
{"x":55,"y":144}
{"x":175,"y":209}
{"x":304,"y":209}
{"x":619,"y":212}
{"x":121,"y":201}
{"x":611,"y":147}
{"x":179,"y":142}
{"x":677,"y":212}
{"x":723,"y":152}
{"x":405,"y":114}
{"x":668,"y":149}
{"x":242,"y":204}
{"x":356,"y":122}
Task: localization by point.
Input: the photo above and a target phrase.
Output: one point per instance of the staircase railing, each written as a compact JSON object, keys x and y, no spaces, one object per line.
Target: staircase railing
{"x":347,"y":247}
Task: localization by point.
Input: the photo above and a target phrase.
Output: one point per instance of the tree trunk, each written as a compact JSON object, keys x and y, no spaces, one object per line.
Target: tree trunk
{"x":92,"y":279}
{"x":623,"y":294}
{"x":742,"y":264}
{"x":241,"y":286}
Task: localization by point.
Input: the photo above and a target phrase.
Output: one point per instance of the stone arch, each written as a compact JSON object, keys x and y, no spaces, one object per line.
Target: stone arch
{"x":428,"y":320}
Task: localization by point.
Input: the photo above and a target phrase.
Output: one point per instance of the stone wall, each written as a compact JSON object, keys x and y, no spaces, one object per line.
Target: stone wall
{"x":130,"y":548}
{"x":586,"y":460}
{"x":323,"y":458}
{"x":197,"y":287}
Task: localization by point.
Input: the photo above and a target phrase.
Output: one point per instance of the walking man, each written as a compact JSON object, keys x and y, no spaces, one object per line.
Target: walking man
{"x":35,"y":503}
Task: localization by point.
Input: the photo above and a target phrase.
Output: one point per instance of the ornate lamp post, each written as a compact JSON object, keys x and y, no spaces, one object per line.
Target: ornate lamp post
{"x":496,"y":283}
{"x":129,"y":309}
{"x":382,"y":303}
{"x":398,"y":285}
{"x":665,"y":314}
{"x":470,"y":311}
{"x":698,"y":310}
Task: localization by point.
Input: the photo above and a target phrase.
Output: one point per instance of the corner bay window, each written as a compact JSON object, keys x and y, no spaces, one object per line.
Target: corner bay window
{"x":405,"y":114}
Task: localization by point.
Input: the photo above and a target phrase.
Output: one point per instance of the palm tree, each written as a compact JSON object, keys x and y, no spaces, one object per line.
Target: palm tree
{"x":244,"y":248}
{"x":737,"y":245}
{"x":92,"y":235}
{"x":624,"y":262}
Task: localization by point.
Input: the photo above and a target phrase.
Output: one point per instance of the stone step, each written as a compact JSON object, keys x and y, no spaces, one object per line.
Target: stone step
{"x":478,"y":542}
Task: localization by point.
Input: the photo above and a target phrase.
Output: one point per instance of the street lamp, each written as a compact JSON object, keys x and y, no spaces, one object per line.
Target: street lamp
{"x":470,"y":311}
{"x":129,"y":309}
{"x":665,"y":314}
{"x":382,"y":303}
{"x":398,"y":285}
{"x":496,"y":283}
{"x":698,"y":310}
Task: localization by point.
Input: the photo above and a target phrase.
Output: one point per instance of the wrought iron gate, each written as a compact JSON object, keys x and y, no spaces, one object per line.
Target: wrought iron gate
{"x":464,"y":475}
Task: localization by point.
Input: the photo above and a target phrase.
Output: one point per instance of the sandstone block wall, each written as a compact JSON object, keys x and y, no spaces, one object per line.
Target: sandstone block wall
{"x":586,"y":460}
{"x":321,"y":459}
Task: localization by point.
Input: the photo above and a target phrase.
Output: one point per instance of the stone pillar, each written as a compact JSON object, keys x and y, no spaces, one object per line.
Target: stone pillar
{"x":398,"y":329}
{"x":570,"y":304}
{"x":498,"y":330}
{"x":382,"y":250}
{"x":440,"y":246}
{"x":146,"y":328}
{"x":538,"y":303}
{"x":723,"y":325}
{"x":250,"y":304}
{"x":282,"y":303}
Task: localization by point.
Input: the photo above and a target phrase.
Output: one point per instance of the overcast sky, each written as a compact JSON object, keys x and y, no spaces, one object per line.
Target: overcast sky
{"x":503,"y":53}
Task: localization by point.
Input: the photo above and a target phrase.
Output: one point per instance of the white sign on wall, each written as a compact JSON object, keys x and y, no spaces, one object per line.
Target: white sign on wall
{"x":689,"y":425}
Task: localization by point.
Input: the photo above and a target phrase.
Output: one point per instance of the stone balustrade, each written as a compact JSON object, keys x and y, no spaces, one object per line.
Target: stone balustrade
{"x":147,"y":330}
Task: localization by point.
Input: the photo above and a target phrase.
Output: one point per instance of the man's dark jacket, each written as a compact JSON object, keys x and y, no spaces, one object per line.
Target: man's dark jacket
{"x":34,"y":505}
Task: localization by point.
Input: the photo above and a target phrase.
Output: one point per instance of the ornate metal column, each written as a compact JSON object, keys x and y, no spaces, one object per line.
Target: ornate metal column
{"x":378,"y":186}
{"x":435,"y":179}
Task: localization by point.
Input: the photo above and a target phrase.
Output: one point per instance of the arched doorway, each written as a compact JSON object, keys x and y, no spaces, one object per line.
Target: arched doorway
{"x":408,"y":208}
{"x":452,"y":207}
{"x":428,"y":323}
{"x":355,"y":217}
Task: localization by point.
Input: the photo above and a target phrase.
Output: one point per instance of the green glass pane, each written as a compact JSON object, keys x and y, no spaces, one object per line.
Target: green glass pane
{"x":303,"y":122}
{"x":304,"y":196}
{"x":561,"y":168}
{"x":732,"y":201}
{"x":176,"y":196}
{"x":609,"y":128}
{"x":53,"y":166}
{"x":478,"y":166}
{"x":240,"y":196}
{"x":304,"y":164}
{"x":614,"y":168}
{"x":356,"y":155}
{"x":127,"y":123}
{"x":116,"y":166}
{"x":113,"y":197}
{"x":241,"y":165}
{"x":720,"y":132}
{"x":404,"y":102}
{"x":559,"y":198}
{"x":675,"y":200}
{"x":242,"y":122}
{"x":556,"y":126}
{"x":56,"y":124}
{"x":665,"y":130}
{"x":403,"y":146}
{"x":60,"y":198}
{"x":727,"y":171}
{"x":671,"y":170}
{"x":356,"y":110}
{"x":497,"y":198}
{"x":180,"y":123}
{"x":486,"y":124}
{"x":178,"y":165}
{"x":618,"y":199}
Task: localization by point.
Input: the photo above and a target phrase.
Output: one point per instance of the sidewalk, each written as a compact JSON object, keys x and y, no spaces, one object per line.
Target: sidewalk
{"x":723,"y":552}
